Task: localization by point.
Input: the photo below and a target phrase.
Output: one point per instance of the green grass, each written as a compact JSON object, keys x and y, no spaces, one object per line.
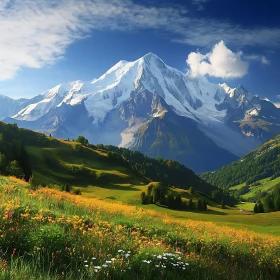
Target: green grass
{"x":266,"y":185}
{"x":48,"y":234}
{"x":249,"y":206}
{"x":268,"y":223}
{"x":263,"y":223}
{"x":51,"y":166}
{"x":237,"y":187}
{"x":119,"y":184}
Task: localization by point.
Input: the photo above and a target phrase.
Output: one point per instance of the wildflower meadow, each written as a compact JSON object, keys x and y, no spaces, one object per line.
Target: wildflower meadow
{"x":49,"y":234}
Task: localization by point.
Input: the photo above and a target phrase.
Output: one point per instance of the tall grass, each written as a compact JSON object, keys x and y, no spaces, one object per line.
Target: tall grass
{"x":48,"y":234}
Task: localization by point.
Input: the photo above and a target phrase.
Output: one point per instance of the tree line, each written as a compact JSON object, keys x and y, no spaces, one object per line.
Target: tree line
{"x":254,"y":167}
{"x":14,"y":159}
{"x":162,"y":195}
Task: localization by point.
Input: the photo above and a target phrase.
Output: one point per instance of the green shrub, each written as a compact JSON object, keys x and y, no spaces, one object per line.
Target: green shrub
{"x":77,"y":192}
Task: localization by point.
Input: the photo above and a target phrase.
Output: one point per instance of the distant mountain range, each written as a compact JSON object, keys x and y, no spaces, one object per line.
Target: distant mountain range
{"x":148,"y":106}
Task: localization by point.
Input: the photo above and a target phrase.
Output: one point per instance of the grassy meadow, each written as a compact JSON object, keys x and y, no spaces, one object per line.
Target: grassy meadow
{"x":230,"y":216}
{"x":62,"y":162}
{"x":106,"y":233}
{"x":49,"y":234}
{"x":265,"y":185}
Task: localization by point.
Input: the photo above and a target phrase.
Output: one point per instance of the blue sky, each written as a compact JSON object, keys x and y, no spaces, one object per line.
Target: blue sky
{"x":47,"y":42}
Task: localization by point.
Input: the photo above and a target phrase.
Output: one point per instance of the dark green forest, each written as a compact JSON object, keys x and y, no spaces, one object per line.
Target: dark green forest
{"x":14,"y":159}
{"x":259,"y":164}
{"x":169,"y":172}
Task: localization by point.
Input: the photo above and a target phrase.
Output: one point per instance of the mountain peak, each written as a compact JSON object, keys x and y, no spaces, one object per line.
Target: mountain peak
{"x":150,"y":57}
{"x":227,"y":88}
{"x":240,"y":87}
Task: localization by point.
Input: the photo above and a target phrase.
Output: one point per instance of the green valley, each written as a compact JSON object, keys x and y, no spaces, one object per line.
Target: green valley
{"x":81,"y":216}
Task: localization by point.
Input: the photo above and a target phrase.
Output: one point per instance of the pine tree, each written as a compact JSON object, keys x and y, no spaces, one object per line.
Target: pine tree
{"x":192,"y":190}
{"x":143,"y":198}
{"x":204,"y":205}
{"x":190,"y":204}
{"x":3,"y":163}
{"x":178,"y":201}
{"x":260,"y":208}
{"x":170,"y":201}
{"x":24,"y":162}
{"x":199,"y":204}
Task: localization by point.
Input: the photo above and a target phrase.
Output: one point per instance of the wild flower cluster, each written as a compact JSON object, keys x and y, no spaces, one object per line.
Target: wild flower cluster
{"x":65,"y":236}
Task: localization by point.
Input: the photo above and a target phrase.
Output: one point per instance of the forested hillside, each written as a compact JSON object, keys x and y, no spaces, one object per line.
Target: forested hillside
{"x":262,"y":163}
{"x":169,"y":172}
{"x":68,"y":162}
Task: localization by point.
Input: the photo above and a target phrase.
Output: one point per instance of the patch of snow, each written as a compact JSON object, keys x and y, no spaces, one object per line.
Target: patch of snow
{"x":254,"y":112}
{"x":230,"y":91}
{"x":127,"y":136}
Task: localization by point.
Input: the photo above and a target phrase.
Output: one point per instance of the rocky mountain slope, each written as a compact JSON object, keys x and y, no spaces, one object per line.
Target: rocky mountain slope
{"x":157,"y":109}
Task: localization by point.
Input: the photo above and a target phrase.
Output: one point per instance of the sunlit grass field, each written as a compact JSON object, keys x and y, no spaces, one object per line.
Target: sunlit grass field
{"x":266,"y":185}
{"x":49,"y":234}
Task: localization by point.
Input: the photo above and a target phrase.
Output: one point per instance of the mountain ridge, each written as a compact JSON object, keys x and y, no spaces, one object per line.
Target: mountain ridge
{"x":235,"y":119}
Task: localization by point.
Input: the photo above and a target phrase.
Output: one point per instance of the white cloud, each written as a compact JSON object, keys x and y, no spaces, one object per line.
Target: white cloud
{"x":259,"y":58}
{"x":265,"y":60}
{"x":220,"y":62}
{"x":207,"y":32}
{"x":36,"y":33}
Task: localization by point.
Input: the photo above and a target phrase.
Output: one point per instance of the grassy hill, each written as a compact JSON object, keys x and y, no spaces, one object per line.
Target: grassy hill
{"x":106,"y":233}
{"x":262,"y":163}
{"x":49,"y":234}
{"x":258,"y":190}
{"x":109,"y":172}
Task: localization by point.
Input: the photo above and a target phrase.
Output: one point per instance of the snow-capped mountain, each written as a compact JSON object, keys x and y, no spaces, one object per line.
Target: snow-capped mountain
{"x":9,"y":106}
{"x":125,"y":104}
{"x":116,"y":85}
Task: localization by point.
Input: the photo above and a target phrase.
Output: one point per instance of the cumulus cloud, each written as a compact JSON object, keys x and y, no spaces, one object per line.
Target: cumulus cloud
{"x":220,"y":62}
{"x":36,"y":33}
